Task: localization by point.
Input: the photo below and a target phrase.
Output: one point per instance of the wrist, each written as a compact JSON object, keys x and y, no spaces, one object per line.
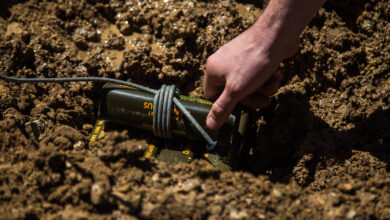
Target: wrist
{"x":281,"y":40}
{"x":282,"y":22}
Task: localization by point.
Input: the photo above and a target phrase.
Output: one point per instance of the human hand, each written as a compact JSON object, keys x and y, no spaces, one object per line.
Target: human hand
{"x":244,"y":70}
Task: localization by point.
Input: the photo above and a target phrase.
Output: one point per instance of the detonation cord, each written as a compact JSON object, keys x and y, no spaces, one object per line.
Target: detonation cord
{"x":161,"y":119}
{"x":162,"y":105}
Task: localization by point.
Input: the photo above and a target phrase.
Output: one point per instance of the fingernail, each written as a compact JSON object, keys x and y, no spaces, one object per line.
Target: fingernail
{"x":211,"y":123}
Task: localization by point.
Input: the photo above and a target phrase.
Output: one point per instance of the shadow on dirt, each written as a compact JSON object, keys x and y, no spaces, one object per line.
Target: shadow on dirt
{"x":295,"y":144}
{"x":294,"y":137}
{"x":348,"y":10}
{"x":257,"y":4}
{"x":5,"y":5}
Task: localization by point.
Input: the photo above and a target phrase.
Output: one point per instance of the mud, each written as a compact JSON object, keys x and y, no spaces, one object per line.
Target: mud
{"x":322,"y":148}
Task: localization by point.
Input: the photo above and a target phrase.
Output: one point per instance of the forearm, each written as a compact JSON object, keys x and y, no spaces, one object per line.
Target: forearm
{"x":284,"y":20}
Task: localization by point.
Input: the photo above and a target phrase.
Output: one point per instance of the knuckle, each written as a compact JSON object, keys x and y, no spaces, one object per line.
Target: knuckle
{"x":210,"y":63}
{"x":234,"y":88}
{"x":217,"y":109}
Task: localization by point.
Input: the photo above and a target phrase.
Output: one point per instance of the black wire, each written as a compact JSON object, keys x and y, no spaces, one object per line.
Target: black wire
{"x":78,"y":79}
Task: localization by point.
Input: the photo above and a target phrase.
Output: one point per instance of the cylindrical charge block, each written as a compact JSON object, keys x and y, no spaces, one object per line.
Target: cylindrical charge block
{"x":131,"y":107}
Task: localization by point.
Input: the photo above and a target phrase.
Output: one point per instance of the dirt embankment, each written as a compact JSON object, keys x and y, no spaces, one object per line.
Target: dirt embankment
{"x":322,"y":148}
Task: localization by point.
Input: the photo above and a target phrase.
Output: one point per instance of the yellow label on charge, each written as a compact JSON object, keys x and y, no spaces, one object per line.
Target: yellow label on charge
{"x":192,"y":99}
{"x":98,"y":131}
{"x":93,"y":138}
{"x":150,"y":151}
{"x":127,"y":87}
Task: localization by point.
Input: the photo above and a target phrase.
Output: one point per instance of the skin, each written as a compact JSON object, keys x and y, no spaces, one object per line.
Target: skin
{"x":245,"y":69}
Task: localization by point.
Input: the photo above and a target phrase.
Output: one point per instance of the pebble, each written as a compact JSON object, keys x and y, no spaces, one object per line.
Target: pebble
{"x":276,"y":192}
{"x":351,"y":214}
{"x":98,"y":193}
{"x":346,"y":187}
{"x":80,"y":42}
{"x":234,"y":214}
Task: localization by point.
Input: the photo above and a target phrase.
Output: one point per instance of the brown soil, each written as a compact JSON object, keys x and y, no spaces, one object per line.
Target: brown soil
{"x":322,"y":148}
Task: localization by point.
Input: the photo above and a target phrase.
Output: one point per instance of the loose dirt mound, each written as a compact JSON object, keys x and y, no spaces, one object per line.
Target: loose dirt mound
{"x":322,"y":148}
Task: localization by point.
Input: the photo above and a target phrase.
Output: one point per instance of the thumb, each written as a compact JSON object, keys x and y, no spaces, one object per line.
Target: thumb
{"x":221,"y":110}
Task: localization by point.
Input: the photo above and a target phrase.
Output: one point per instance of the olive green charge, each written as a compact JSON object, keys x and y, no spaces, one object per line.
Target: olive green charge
{"x":131,"y":107}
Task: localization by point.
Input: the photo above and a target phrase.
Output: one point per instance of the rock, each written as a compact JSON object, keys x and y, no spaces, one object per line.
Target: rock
{"x":79,"y":145}
{"x":148,"y":209}
{"x":277,"y":193}
{"x":36,"y":129}
{"x":87,"y":127}
{"x":190,"y":184}
{"x":351,"y":214}
{"x":234,"y":214}
{"x":63,"y":137}
{"x":80,"y":42}
{"x":346,"y":188}
{"x":99,"y":193}
{"x":71,"y":213}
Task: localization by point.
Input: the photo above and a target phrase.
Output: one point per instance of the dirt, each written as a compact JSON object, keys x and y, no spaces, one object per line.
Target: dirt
{"x":322,"y":148}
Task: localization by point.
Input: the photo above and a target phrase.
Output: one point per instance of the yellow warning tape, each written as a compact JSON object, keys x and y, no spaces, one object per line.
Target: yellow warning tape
{"x":150,"y":151}
{"x":97,"y":132}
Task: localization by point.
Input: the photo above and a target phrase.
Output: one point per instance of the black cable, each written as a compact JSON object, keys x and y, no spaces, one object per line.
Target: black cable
{"x":164,"y":97}
{"x":78,"y":79}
